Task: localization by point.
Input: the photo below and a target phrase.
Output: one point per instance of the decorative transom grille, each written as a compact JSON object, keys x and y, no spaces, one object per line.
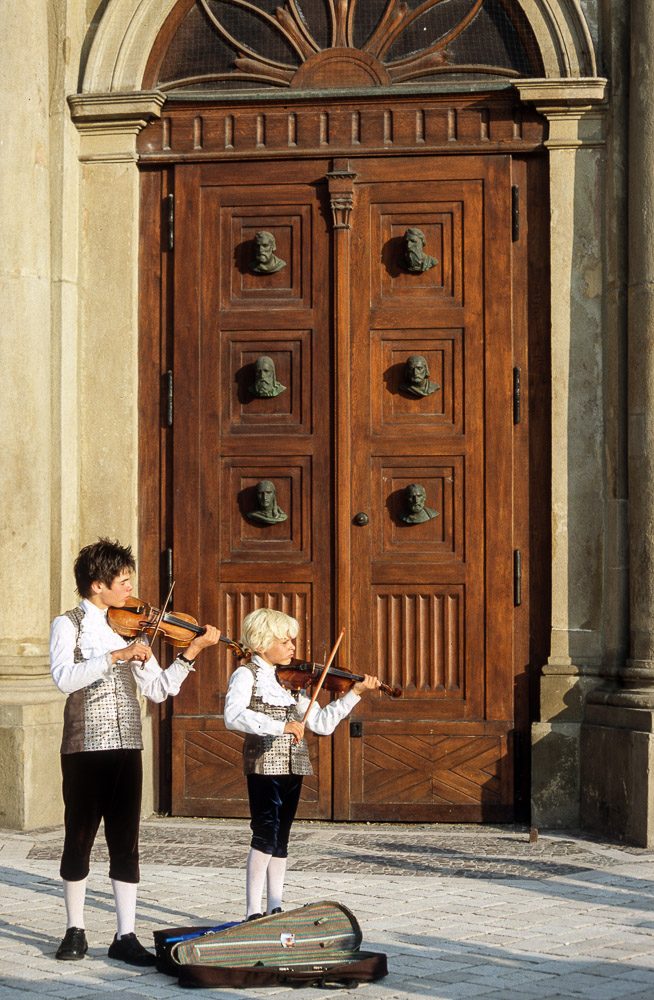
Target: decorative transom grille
{"x":318,"y":44}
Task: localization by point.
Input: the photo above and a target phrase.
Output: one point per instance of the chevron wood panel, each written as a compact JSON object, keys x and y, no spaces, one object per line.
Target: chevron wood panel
{"x":212,"y":770}
{"x":434,"y":769}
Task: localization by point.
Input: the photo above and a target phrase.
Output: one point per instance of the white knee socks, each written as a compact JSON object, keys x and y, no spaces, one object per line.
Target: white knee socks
{"x":125,"y":900}
{"x":124,"y":897}
{"x":255,"y":876}
{"x":74,"y":895}
{"x":275,"y":883}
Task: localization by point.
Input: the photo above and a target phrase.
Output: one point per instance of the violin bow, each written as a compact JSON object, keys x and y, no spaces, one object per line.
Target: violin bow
{"x":161,"y":614}
{"x":316,"y":690}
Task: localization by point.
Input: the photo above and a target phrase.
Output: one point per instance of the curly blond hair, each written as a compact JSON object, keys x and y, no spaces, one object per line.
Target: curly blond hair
{"x":263,"y":627}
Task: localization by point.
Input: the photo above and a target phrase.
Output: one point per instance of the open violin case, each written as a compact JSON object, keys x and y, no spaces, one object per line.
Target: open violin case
{"x":315,"y":945}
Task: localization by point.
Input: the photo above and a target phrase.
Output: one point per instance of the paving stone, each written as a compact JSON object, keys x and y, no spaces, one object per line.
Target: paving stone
{"x":460,"y":911}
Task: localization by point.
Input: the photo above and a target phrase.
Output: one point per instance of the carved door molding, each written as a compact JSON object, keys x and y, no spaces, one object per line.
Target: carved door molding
{"x":427,"y":599}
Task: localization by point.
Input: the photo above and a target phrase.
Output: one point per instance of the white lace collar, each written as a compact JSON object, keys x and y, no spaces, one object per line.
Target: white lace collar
{"x":267,"y":687}
{"x":93,"y":613}
{"x":96,"y":634}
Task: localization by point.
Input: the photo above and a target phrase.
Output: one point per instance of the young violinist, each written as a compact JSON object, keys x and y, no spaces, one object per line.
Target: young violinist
{"x":101,"y":747}
{"x":275,"y":753}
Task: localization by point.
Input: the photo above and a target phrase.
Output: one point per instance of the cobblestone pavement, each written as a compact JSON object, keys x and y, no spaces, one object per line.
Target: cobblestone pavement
{"x":461,"y":911}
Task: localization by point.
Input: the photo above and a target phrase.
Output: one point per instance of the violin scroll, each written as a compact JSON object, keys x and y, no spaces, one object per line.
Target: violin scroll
{"x":238,"y":649}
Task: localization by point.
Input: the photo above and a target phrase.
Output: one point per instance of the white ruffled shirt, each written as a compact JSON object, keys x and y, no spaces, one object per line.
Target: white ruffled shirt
{"x":239,"y":716}
{"x":97,"y":640}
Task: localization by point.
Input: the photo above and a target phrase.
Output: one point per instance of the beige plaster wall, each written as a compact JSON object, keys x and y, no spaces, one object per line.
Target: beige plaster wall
{"x":25,"y":381}
{"x":67,"y":382}
{"x":25,"y":370}
{"x":67,"y":25}
{"x":108,"y":358}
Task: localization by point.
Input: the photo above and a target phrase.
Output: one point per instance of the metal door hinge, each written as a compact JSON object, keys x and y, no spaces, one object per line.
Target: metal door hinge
{"x":516,"y":396}
{"x":168,"y":383}
{"x":170,"y":219}
{"x":515,"y":212}
{"x":517,"y":577}
{"x":168,"y":569}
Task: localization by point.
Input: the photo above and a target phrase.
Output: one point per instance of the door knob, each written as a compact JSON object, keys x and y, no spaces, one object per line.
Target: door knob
{"x":361,"y":519}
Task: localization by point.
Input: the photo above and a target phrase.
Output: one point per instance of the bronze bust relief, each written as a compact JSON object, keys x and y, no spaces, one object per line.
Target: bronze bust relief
{"x":265,"y":383}
{"x":415,"y":511}
{"x":416,"y":377}
{"x":415,"y":260}
{"x":267,"y":510}
{"x":265,"y":261}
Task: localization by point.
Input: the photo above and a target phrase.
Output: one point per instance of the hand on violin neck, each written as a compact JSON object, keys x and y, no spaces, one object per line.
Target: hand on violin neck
{"x":136,"y":651}
{"x":367,"y":684}
{"x":209,"y":637}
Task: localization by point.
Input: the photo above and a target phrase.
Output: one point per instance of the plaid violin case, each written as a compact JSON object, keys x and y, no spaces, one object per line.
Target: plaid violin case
{"x":315,"y":945}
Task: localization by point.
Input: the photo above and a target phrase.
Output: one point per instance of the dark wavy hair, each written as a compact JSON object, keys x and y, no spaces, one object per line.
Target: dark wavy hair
{"x":101,"y":562}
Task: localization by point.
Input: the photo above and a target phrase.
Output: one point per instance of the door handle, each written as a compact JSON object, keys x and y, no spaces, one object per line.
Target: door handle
{"x":360,"y":519}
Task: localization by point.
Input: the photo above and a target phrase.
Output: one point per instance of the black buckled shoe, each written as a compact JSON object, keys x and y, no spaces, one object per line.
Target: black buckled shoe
{"x":74,"y":945}
{"x":129,"y":949}
{"x":255,"y":916}
{"x":277,"y":909}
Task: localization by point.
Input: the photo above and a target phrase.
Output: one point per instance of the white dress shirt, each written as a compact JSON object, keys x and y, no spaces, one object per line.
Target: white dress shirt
{"x":97,"y":640}
{"x":239,"y":716}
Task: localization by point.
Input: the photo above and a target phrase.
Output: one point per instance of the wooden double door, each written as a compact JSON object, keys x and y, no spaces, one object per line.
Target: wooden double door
{"x":295,"y":483}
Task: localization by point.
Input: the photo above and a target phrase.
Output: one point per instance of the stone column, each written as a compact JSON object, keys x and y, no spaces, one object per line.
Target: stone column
{"x":574,"y":110}
{"x":108,"y":125}
{"x":638,"y":676}
{"x":26,"y":690}
{"x":620,"y":719}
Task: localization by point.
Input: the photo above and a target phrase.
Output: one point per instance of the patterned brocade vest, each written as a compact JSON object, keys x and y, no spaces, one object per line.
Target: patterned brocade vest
{"x":105,"y":715}
{"x":274,"y":754}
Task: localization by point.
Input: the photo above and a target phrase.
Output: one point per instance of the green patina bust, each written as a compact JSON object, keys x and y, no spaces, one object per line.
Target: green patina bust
{"x":415,"y":260}
{"x":415,"y":511}
{"x":265,"y":382}
{"x":416,"y":377}
{"x":265,"y":261}
{"x":267,"y":510}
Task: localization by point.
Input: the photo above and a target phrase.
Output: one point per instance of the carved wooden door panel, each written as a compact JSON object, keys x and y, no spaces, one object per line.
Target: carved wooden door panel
{"x":430,"y":543}
{"x":252,"y":455}
{"x":390,"y":399}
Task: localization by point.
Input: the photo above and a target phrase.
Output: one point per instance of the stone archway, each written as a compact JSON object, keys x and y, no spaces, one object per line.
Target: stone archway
{"x":129,"y":28}
{"x":112,"y":108}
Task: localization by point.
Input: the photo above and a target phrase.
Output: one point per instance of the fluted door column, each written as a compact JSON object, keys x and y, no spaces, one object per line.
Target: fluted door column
{"x":638,"y":674}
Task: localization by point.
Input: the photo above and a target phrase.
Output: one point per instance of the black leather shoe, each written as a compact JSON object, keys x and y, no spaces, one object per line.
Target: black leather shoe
{"x":277,"y":909}
{"x":129,"y":949}
{"x":74,"y":945}
{"x":255,"y":916}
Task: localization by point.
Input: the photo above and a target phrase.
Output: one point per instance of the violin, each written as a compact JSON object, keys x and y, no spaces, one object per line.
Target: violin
{"x":298,"y":675}
{"x":137,"y":618}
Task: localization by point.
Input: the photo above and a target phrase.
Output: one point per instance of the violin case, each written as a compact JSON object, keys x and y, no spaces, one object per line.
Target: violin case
{"x":316,"y":945}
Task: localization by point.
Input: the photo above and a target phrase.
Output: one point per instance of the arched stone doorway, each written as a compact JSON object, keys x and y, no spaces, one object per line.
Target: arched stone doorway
{"x":125,"y":51}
